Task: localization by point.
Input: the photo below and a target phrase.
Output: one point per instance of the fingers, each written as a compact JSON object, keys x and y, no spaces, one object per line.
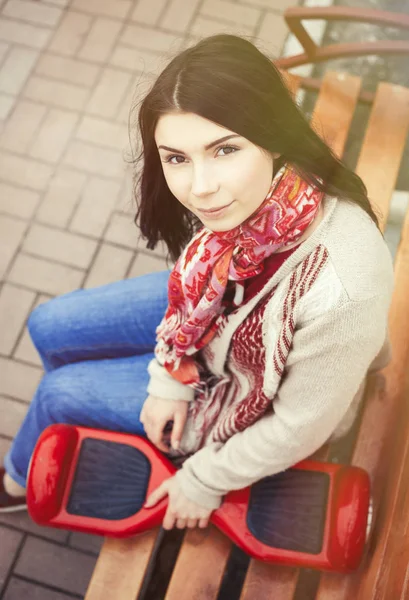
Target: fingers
{"x":156,"y":435}
{"x":156,"y":495}
{"x":181,"y":523}
{"x":178,"y":425}
{"x":158,"y":415}
{"x":169,"y":520}
{"x":203,"y":523}
{"x":191,"y":523}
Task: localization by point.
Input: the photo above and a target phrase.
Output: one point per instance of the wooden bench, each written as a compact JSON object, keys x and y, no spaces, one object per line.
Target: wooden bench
{"x":204,"y":561}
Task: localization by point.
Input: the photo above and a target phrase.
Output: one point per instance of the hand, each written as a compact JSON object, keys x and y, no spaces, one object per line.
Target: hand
{"x":181,"y":510}
{"x":156,"y":412}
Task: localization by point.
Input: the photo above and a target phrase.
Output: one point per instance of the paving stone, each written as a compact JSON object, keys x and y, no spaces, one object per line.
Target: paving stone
{"x":203,"y":27}
{"x":109,"y":92}
{"x":55,"y":565}
{"x":56,"y":2}
{"x":272,"y":35}
{"x":16,"y":69}
{"x":145,"y":263}
{"x":123,"y":231}
{"x":111,"y":264}
{"x":103,"y":133}
{"x":24,"y":171}
{"x":15,"y":305}
{"x":151,"y":39}
{"x":4,"y":48}
{"x":11,"y":234}
{"x":10,"y":542}
{"x":126,"y":203}
{"x":179,"y":14}
{"x":12,"y":415}
{"x":100,"y":40}
{"x":94,"y":160}
{"x":110,"y":8}
{"x":18,"y":380}
{"x":22,"y":522}
{"x":6,"y":104}
{"x":23,"y":33}
{"x":70,"y":34}
{"x":18,"y":201}
{"x":4,"y":447}
{"x":278,"y":6}
{"x":18,"y":589}
{"x":32,"y":11}
{"x":22,"y":126}
{"x":61,"y":198}
{"x":26,"y":351}
{"x":43,"y":276}
{"x":56,"y":93}
{"x":54,"y":135}
{"x":96,"y":206}
{"x":160,"y":250}
{"x":85,"y":541}
{"x":230,"y":11}
{"x":135,"y":93}
{"x":137,"y":59}
{"x":62,"y":246}
{"x":148,"y":12}
{"x":67,"y":69}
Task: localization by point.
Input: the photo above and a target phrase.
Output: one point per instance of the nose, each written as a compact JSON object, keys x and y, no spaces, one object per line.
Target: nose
{"x":203,"y":183}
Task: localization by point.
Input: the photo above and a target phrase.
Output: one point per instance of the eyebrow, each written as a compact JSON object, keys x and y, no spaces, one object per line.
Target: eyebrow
{"x":223,"y":139}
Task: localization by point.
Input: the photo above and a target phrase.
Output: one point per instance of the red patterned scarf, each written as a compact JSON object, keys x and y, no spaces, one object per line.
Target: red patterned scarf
{"x":199,"y":278}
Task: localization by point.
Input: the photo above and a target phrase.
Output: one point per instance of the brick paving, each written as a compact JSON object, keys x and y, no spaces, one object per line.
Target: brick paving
{"x":69,"y":70}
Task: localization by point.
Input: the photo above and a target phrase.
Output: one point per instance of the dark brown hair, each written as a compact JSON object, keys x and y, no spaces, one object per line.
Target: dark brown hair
{"x":226,"y":79}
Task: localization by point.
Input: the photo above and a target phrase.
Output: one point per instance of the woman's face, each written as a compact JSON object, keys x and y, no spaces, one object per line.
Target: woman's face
{"x":222,"y":183}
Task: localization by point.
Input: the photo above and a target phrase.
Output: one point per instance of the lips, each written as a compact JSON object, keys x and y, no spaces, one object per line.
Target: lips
{"x":214,"y":210}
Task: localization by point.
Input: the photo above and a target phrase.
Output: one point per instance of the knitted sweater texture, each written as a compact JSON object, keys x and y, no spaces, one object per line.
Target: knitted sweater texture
{"x":287,"y":369}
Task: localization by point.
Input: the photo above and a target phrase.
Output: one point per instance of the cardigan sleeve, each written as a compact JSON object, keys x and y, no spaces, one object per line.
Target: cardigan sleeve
{"x":163,"y":385}
{"x":325,"y":368}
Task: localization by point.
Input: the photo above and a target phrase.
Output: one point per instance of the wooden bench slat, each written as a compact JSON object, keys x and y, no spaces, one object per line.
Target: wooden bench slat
{"x":121,"y":567}
{"x":395,"y":412}
{"x":335,"y":107}
{"x":269,"y":582}
{"x":381,"y":410}
{"x":395,"y":567}
{"x":383,"y":144}
{"x":293,"y":82}
{"x":200,"y":566}
{"x":367,"y":452}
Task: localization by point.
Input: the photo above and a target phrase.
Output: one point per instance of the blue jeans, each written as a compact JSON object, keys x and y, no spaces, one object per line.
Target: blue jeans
{"x":95,"y":346}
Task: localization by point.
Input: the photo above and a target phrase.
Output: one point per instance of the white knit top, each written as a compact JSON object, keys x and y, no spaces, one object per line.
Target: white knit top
{"x":290,"y":364}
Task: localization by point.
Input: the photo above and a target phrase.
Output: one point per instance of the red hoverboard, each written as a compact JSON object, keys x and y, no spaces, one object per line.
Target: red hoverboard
{"x":314,"y":514}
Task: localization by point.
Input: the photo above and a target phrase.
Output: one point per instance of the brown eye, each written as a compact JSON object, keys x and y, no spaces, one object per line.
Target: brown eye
{"x":168,"y":160}
{"x":228,"y":148}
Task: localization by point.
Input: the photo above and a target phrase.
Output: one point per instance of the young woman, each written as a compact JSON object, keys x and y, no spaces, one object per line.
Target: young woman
{"x":257,"y":344}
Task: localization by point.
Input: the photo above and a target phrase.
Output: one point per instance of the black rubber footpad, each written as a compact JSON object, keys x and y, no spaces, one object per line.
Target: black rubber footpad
{"x":110,"y":481}
{"x":288,"y":510}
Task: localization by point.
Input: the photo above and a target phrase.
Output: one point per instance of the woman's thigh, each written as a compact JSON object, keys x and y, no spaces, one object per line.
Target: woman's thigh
{"x":118,"y":319}
{"x":102,"y":394}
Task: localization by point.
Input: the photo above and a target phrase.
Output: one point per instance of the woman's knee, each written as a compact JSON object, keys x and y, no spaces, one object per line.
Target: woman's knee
{"x":56,"y":398}
{"x":38,"y":325}
{"x":42,"y":322}
{"x":48,"y":320}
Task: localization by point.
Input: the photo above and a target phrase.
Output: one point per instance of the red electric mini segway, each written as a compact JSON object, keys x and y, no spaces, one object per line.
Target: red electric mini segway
{"x":314,"y":514}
